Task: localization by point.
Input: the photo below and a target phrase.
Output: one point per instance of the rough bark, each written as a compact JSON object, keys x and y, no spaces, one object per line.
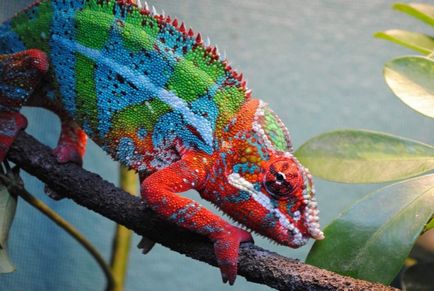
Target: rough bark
{"x":91,"y":191}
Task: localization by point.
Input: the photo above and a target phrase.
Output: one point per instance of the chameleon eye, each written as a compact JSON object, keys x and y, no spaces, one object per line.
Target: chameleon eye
{"x":280,"y":178}
{"x":283,"y":179}
{"x":276,"y":184}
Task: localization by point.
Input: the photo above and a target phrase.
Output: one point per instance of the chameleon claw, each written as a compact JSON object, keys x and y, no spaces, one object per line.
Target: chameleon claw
{"x":225,"y":278}
{"x":228,"y":273}
{"x":146,"y":245}
{"x":53,"y":194}
{"x":226,"y":248}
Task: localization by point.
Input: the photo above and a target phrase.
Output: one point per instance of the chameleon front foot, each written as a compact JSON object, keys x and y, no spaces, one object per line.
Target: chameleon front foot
{"x":226,"y":247}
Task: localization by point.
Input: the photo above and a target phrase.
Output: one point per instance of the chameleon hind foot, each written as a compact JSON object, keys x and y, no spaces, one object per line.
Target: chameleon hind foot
{"x":71,"y":145}
{"x":70,"y":149}
{"x":67,"y":153}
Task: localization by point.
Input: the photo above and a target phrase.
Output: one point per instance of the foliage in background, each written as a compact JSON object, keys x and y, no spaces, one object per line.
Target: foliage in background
{"x":8,"y":202}
{"x":115,"y":273}
{"x":371,"y":239}
{"x":8,"y":205}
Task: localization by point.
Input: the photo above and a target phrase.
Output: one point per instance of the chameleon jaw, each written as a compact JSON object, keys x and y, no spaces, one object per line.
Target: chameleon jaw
{"x":293,"y":238}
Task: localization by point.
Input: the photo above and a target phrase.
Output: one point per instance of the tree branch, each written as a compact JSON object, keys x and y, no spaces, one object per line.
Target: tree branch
{"x":91,"y":191}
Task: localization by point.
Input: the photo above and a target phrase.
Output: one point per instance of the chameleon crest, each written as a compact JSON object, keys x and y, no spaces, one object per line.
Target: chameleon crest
{"x":159,"y":100}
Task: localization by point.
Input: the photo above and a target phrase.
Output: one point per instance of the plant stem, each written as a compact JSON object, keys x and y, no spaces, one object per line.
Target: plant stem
{"x":123,"y":236}
{"x":56,"y":218}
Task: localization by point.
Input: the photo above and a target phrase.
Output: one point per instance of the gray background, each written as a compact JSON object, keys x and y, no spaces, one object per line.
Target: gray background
{"x":315,"y":62}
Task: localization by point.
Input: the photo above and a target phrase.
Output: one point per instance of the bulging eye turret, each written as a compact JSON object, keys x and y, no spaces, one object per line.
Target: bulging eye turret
{"x":283,"y":178}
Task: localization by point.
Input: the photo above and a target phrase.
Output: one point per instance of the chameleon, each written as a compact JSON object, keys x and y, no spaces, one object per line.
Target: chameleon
{"x":162,"y":101}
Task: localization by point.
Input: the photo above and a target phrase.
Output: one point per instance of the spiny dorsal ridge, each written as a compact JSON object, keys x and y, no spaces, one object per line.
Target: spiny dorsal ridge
{"x":211,"y":51}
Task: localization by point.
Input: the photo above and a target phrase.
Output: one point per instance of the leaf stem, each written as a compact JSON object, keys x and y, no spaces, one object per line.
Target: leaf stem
{"x":123,"y":236}
{"x":61,"y":222}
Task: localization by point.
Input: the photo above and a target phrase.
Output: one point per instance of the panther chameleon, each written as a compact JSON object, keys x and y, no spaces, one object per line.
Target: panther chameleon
{"x":158,"y":99}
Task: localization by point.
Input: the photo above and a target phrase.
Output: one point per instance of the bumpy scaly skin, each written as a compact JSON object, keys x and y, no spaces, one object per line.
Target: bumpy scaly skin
{"x":151,"y":94}
{"x":19,"y":76}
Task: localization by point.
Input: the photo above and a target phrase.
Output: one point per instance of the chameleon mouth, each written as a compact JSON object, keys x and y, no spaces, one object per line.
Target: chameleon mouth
{"x":311,"y":211}
{"x":294,"y":237}
{"x":312,"y":220}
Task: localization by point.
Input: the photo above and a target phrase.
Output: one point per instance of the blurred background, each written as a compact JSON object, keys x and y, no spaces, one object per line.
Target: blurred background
{"x":318,"y":66}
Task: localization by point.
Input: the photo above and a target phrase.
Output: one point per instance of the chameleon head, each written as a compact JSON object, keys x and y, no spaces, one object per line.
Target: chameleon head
{"x":270,"y":191}
{"x":282,"y":201}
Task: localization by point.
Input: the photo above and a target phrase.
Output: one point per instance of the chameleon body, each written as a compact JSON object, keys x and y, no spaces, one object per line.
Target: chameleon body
{"x":158,"y":99}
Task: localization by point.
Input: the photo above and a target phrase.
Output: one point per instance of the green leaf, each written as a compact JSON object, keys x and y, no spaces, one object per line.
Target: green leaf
{"x":423,"y":12}
{"x":429,"y":225}
{"x":412,"y":80}
{"x":413,"y":40}
{"x":8,"y":204}
{"x":372,"y":238}
{"x":361,"y":156}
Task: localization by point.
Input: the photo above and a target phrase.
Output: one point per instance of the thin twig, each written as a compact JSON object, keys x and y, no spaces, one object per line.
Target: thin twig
{"x":123,"y":236}
{"x":91,"y":191}
{"x":19,"y":190}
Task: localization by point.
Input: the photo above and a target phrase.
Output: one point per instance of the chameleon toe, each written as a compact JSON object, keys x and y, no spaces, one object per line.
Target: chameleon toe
{"x":146,"y":245}
{"x":226,"y":249}
{"x":53,"y":194}
{"x":65,"y":153}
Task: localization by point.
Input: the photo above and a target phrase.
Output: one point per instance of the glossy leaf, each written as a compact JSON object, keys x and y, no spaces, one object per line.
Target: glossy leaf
{"x":360,"y":156}
{"x":413,"y":40}
{"x":412,"y":80}
{"x":372,"y":238}
{"x":8,"y":205}
{"x":421,"y":11}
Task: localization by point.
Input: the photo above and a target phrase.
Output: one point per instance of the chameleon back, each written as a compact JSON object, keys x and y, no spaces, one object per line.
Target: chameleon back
{"x":140,"y":84}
